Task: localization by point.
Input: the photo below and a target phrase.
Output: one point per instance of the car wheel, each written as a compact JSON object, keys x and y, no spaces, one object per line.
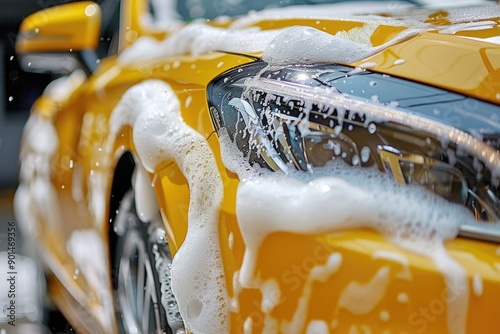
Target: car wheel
{"x":144,"y":300}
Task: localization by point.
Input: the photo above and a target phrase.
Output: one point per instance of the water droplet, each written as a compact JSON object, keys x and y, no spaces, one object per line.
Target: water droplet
{"x":402,"y":298}
{"x":11,"y":58}
{"x":11,"y":98}
{"x":373,"y":83}
{"x":365,"y":154}
{"x":384,"y":316}
{"x":355,"y":160}
{"x":372,"y":128}
{"x":76,"y":274}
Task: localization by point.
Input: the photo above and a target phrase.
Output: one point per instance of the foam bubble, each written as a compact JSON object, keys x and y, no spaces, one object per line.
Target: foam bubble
{"x":160,"y":135}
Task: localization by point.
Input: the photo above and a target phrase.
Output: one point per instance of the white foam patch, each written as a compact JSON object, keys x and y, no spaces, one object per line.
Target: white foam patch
{"x":317,"y":327}
{"x":477,"y":285}
{"x":402,"y":298}
{"x":61,"y":89}
{"x":398,"y":258}
{"x":160,"y":135}
{"x":309,"y":45}
{"x":361,"y":298}
{"x":36,"y":196}
{"x":320,"y":273}
{"x":248,"y":326}
{"x":94,"y":267}
{"x":196,"y":39}
{"x":340,"y":197}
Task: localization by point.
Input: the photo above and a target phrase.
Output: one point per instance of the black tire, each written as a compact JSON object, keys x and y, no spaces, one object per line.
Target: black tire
{"x":138,"y":286}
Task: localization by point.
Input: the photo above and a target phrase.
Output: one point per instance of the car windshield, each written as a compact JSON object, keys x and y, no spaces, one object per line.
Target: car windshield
{"x":189,"y":10}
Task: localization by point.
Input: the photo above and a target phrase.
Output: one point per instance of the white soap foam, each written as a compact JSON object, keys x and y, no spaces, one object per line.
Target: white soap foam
{"x":320,"y":273}
{"x":402,"y":298}
{"x":235,"y":305}
{"x":160,"y":135}
{"x":398,"y":258}
{"x":248,"y":326}
{"x":317,"y":327}
{"x":361,"y":298}
{"x":309,"y":45}
{"x":271,"y":295}
{"x":145,"y":197}
{"x":61,"y":89}
{"x":94,"y":267}
{"x":36,"y":196}
{"x":385,"y":316}
{"x":323,"y":202}
{"x":477,"y":285}
{"x":196,"y":39}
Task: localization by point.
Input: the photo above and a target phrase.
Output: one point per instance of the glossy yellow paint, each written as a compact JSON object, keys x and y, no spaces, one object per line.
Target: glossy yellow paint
{"x":470,"y":66}
{"x":415,"y":298}
{"x":66,"y":28}
{"x":433,"y":58}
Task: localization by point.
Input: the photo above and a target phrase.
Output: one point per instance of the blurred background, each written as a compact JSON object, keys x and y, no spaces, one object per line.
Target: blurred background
{"x":18,"y":90}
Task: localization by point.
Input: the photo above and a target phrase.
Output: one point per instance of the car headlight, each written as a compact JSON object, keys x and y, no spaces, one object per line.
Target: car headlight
{"x":305,"y":116}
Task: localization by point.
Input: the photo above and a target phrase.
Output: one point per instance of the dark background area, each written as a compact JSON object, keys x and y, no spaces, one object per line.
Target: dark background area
{"x":18,"y":89}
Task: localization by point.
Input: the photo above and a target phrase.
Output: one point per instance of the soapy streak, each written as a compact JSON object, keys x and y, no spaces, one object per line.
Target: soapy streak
{"x":160,"y":135}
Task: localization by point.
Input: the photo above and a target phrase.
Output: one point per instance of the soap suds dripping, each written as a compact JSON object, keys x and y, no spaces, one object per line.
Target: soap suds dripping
{"x":160,"y":135}
{"x":320,"y":273}
{"x":410,"y":217}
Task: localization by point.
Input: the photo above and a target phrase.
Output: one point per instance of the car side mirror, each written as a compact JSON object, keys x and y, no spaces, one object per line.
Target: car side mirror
{"x":60,"y":39}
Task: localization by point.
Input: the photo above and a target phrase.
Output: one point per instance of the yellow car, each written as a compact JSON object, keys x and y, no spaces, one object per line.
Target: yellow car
{"x":308,"y":169}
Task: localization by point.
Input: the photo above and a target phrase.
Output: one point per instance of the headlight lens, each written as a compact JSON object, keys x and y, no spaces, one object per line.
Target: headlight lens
{"x":300,"y":117}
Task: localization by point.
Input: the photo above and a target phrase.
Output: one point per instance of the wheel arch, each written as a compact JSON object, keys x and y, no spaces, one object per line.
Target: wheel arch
{"x":121,"y":183}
